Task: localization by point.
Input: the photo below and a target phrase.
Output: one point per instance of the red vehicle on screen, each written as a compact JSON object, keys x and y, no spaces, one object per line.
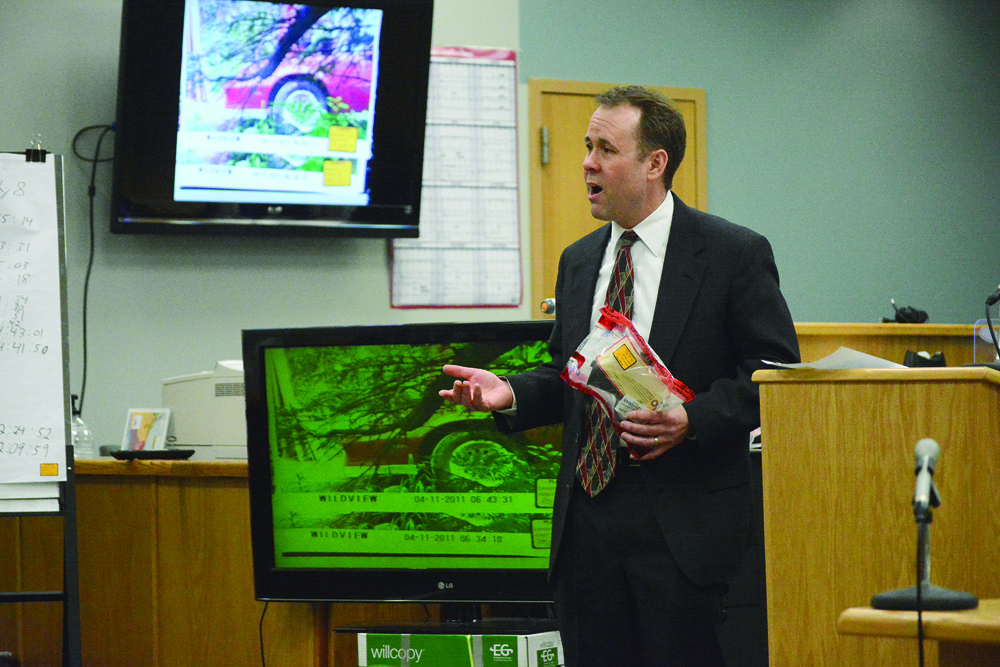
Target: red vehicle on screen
{"x":303,"y":86}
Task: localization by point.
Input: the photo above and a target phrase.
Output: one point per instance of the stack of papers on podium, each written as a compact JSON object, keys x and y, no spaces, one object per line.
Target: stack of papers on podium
{"x":843,"y":359}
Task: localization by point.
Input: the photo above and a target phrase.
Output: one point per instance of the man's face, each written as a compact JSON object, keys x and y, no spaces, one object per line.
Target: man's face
{"x":618,"y":186}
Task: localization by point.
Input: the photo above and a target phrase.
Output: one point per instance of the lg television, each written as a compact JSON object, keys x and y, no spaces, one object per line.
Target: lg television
{"x":365,"y":485}
{"x":259,"y":117}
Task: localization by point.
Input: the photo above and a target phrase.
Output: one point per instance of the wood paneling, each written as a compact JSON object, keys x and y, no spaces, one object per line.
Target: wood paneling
{"x":838,"y":480}
{"x":166,"y":576}
{"x":10,"y":549}
{"x":116,"y":535}
{"x":888,"y":341}
{"x":37,"y":627}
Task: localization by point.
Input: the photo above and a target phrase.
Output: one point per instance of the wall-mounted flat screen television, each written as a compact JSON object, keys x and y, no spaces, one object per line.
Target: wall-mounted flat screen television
{"x":259,"y":117}
{"x":365,"y":485}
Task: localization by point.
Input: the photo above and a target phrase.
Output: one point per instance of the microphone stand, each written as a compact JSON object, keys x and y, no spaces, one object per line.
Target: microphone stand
{"x":924,"y":596}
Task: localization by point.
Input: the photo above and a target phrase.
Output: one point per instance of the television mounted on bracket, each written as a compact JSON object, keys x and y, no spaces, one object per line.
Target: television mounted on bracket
{"x":265,"y":118}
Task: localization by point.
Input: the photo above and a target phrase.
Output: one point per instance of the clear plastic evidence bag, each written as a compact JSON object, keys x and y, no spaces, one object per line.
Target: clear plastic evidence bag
{"x":616,"y":366}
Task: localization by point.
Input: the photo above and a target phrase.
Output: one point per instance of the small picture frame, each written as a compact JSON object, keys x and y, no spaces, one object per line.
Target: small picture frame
{"x":146,"y":428}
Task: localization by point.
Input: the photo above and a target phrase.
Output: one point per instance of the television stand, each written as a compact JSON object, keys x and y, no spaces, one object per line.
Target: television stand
{"x":461,"y":612}
{"x":472,"y":612}
{"x":482,"y":626}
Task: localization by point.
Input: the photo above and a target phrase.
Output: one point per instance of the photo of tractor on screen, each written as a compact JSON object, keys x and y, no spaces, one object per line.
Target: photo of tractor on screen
{"x":372,"y":469}
{"x":277,"y":103}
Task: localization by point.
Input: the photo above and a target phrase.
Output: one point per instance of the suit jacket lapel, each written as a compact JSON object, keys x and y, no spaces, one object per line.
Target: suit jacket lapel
{"x":684,"y":266}
{"x":582,"y":272}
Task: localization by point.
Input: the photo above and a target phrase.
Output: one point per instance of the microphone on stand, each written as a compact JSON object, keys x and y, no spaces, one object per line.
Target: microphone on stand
{"x":990,"y":300}
{"x":924,"y":596}
{"x":993,"y":298}
{"x":925,"y":495}
{"x":989,"y":334}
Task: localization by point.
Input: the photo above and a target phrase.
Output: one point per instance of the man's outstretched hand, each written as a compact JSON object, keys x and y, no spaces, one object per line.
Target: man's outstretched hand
{"x":477,"y":389}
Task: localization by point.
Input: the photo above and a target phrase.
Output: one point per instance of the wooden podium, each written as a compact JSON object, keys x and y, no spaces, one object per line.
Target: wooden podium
{"x":838,"y":479}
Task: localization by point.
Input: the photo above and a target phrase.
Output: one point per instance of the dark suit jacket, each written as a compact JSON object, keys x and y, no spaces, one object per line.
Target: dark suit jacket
{"x":719,"y":312}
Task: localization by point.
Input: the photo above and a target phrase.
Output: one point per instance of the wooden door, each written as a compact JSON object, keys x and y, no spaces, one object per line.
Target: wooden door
{"x":560,"y":212}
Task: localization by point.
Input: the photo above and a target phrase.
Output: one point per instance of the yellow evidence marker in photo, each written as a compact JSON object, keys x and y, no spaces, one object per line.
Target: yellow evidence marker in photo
{"x":344,"y":139}
{"x":337,"y":172}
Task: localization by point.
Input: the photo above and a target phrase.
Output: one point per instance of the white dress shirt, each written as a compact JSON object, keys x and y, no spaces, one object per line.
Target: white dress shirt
{"x":647,"y":265}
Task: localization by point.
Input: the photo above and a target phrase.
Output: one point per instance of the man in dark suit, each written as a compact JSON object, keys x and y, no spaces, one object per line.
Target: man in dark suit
{"x":639,"y":567}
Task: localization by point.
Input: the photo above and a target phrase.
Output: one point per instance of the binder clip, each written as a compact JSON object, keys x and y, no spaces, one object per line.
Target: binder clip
{"x":35,"y":153}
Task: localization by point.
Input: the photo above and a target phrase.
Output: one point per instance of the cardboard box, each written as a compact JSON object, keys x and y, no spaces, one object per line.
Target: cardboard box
{"x":543,"y":649}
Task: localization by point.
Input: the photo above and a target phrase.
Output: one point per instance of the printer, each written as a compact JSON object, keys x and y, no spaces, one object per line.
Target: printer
{"x":208,"y":411}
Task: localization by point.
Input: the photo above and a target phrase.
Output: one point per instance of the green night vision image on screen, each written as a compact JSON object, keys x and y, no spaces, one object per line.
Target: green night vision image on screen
{"x":372,"y":468}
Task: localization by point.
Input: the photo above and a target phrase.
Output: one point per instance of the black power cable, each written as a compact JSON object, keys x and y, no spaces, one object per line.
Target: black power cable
{"x":993,"y":333}
{"x":921,"y":548}
{"x":260,"y":633}
{"x":91,"y":192}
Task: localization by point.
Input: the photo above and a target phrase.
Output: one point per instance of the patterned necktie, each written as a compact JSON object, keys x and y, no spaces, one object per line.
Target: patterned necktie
{"x":596,"y":465}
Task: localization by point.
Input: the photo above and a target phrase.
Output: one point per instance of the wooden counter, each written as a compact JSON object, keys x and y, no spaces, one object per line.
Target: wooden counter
{"x":965,"y":638}
{"x":888,"y":341}
{"x":109,"y":466}
{"x":980,"y":625}
{"x":166,"y":576}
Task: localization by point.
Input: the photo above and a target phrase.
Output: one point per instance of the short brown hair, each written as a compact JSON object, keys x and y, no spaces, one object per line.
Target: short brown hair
{"x":661,"y":124}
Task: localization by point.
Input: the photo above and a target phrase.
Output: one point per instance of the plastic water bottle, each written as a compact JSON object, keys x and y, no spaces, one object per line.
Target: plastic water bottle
{"x":83,"y":441}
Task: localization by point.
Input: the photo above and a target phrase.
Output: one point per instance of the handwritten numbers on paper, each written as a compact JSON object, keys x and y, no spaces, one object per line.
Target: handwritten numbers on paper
{"x":16,"y":189}
{"x":19,"y":441}
{"x":6,"y":219}
{"x":15,"y":275}
{"x":33,"y":428}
